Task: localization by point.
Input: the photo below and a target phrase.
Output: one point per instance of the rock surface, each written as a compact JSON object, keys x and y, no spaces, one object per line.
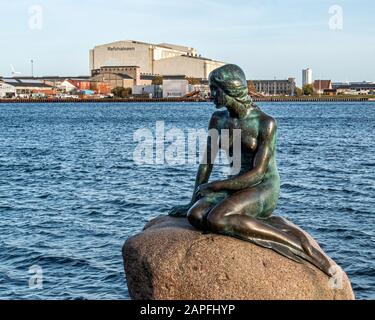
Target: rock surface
{"x":170,"y":260}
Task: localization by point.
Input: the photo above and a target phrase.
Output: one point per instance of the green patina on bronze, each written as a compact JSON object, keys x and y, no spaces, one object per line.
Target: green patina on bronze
{"x":242,"y":205}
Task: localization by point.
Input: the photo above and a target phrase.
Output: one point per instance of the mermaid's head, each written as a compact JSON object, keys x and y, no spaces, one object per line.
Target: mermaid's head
{"x":229,"y":87}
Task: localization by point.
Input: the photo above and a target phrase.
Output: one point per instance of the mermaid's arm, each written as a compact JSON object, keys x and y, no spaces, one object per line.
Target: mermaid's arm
{"x":261,"y":162}
{"x":212,"y":149}
{"x":204,"y":171}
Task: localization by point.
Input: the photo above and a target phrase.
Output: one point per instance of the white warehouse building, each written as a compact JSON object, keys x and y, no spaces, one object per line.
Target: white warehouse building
{"x":156,"y":59}
{"x":7,"y":90}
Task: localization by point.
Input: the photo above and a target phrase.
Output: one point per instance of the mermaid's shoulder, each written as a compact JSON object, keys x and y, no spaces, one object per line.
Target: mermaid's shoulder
{"x":217,"y":119}
{"x":269,"y":123}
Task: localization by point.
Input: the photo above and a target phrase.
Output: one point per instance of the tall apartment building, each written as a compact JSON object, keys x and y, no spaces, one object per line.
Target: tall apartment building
{"x":307,"y":76}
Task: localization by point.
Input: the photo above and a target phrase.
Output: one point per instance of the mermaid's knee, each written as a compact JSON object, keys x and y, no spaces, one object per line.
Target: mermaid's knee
{"x":196,"y":217}
{"x":217,"y":220}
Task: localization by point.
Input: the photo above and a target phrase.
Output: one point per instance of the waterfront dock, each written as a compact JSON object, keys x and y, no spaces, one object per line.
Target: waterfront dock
{"x":192,"y":99}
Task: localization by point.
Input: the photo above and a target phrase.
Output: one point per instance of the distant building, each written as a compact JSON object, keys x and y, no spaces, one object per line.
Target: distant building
{"x":115,"y":80}
{"x":149,"y":91}
{"x":354,"y":88}
{"x":25,"y":88}
{"x":48,"y":86}
{"x":307,"y":76}
{"x":320,"y":86}
{"x":147,"y":79}
{"x":175,"y":86}
{"x":101,"y":88}
{"x":118,"y":76}
{"x":275,"y":87}
{"x":68,"y":86}
{"x":53,"y":81}
{"x":152,"y":59}
{"x":86,"y":86}
{"x":7,"y":90}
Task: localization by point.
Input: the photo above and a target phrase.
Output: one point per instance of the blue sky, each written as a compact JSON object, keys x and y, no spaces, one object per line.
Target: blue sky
{"x":266,"y":38}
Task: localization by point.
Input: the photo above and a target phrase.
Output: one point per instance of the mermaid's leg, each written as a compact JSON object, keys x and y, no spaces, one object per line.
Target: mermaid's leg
{"x":236,"y":216}
{"x":198,"y":212}
{"x":283,"y":224}
{"x":316,"y":255}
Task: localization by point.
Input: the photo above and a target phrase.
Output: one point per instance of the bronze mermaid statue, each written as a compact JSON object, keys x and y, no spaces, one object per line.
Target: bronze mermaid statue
{"x":242,"y":205}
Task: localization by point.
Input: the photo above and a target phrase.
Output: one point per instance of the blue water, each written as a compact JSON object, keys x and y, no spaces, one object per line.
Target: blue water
{"x":70,"y":193}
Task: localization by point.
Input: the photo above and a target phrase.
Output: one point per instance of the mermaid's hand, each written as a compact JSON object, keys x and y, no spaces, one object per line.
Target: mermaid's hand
{"x":179,"y":211}
{"x":204,"y":190}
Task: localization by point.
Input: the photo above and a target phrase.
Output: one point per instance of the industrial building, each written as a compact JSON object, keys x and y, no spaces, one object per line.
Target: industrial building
{"x":53,"y":81}
{"x":25,"y":87}
{"x":275,"y":87}
{"x":354,"y":88}
{"x":13,"y":87}
{"x":149,"y":91}
{"x":7,"y":90}
{"x":151,"y":59}
{"x":175,"y":86}
{"x":118,"y":76}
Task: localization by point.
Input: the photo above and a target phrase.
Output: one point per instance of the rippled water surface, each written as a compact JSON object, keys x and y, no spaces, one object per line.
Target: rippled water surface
{"x":70,"y":193}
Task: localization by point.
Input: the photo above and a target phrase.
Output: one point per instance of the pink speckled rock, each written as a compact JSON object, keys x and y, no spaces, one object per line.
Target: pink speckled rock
{"x":170,"y":260}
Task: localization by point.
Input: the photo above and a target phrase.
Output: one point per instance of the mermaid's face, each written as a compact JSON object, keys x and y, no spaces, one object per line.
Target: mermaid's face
{"x":217,"y":96}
